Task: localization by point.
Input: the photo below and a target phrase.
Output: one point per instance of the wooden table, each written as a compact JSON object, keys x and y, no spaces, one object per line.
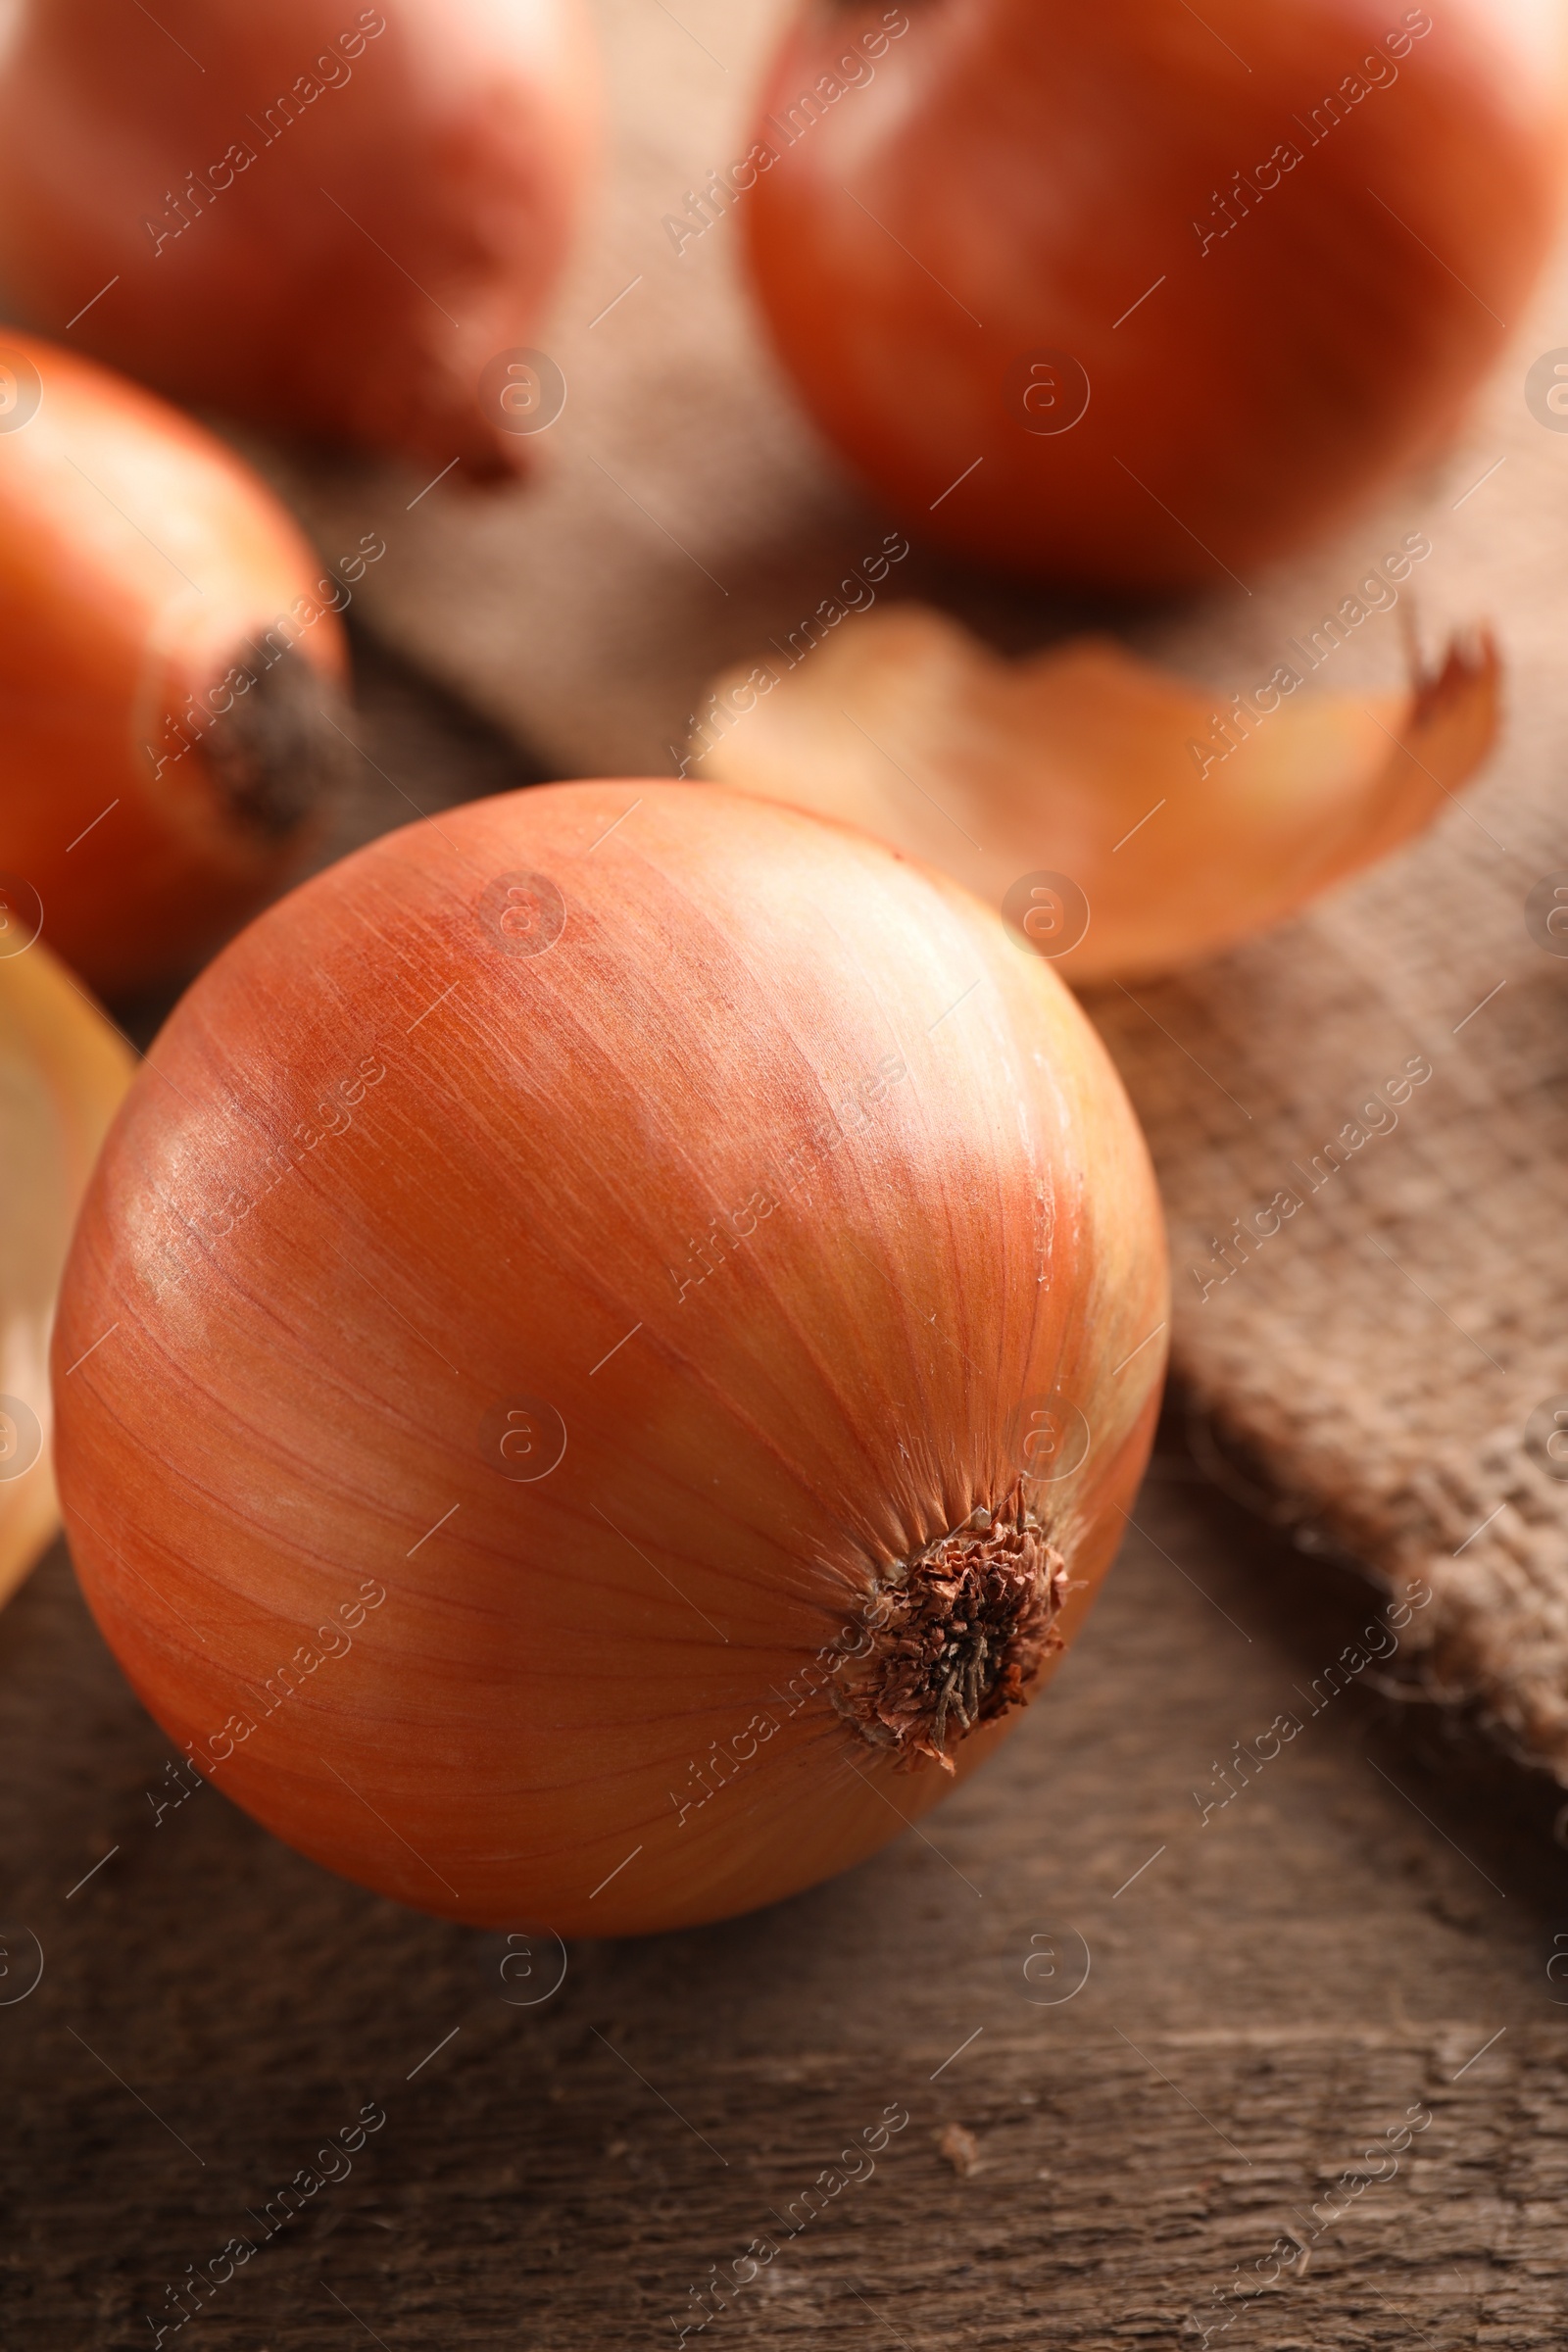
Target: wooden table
{"x":1353,"y":1951}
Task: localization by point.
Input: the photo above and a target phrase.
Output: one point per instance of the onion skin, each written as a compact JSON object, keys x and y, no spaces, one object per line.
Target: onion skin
{"x":452,"y":144}
{"x":62,"y":1073}
{"x":141,"y":562}
{"x":296,"y":1396}
{"x":1185,"y":829}
{"x":1043,"y":163}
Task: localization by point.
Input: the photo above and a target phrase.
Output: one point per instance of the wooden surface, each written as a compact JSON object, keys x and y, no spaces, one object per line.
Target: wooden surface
{"x":1268,"y":1992}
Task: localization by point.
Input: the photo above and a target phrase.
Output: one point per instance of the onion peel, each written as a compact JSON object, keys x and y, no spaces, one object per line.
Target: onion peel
{"x":1185,"y":830}
{"x":63,"y":1071}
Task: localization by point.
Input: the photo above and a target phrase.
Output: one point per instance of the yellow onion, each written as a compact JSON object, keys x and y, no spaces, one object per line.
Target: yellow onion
{"x":1125,"y":821}
{"x":621,"y":1330}
{"x":63,"y":1071}
{"x":342,"y":220}
{"x":1148,"y":292}
{"x":172,"y":665}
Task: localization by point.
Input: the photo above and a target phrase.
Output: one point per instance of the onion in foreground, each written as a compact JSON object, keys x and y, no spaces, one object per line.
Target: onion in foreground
{"x":63,"y":1071}
{"x":634,"y":1316}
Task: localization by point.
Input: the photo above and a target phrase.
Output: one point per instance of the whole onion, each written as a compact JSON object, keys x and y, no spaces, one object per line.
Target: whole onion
{"x":344,"y":220}
{"x":633,"y":1315}
{"x":170,"y":664}
{"x":1143,"y":293}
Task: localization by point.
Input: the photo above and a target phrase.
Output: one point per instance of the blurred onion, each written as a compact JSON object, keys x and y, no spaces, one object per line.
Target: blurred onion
{"x":170,"y":670}
{"x":1137,"y":293}
{"x":329,"y":219}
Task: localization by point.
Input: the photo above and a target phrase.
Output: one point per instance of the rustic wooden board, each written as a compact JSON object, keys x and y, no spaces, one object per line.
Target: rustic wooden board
{"x":1268,"y":1993}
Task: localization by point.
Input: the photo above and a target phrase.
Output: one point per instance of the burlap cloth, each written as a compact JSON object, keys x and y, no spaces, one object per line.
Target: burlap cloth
{"x":1380,"y":1354}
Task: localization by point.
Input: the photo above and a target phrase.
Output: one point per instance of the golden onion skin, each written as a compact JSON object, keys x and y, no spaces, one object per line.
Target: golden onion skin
{"x":564,"y":1266}
{"x":1177,"y":834}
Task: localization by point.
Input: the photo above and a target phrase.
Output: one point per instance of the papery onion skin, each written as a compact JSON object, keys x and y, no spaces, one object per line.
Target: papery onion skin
{"x":323,"y":1315}
{"x":1014,"y":180}
{"x":413,"y":179}
{"x":150,"y":800}
{"x":62,"y":1073}
{"x":1180,"y":829}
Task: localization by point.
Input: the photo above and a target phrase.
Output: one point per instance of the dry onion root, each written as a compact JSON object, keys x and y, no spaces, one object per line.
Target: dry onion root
{"x":688,"y":1308}
{"x":1124,"y":824}
{"x":63,"y":1071}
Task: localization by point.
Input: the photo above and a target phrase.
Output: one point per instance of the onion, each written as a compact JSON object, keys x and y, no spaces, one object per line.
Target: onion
{"x":63,"y":1071}
{"x":1120,"y":820}
{"x":170,"y":660}
{"x":626,"y":1290}
{"x":342,"y":220}
{"x":1144,"y":294}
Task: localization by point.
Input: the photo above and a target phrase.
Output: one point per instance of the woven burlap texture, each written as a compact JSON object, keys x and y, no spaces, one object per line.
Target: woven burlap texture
{"x":1382,"y":1353}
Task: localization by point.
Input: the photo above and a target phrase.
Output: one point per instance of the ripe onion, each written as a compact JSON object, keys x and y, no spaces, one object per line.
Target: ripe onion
{"x":1120,"y":820}
{"x":63,"y":1071}
{"x":170,"y":660}
{"x":1144,"y":294}
{"x":332,"y":219}
{"x":629,"y":1289}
